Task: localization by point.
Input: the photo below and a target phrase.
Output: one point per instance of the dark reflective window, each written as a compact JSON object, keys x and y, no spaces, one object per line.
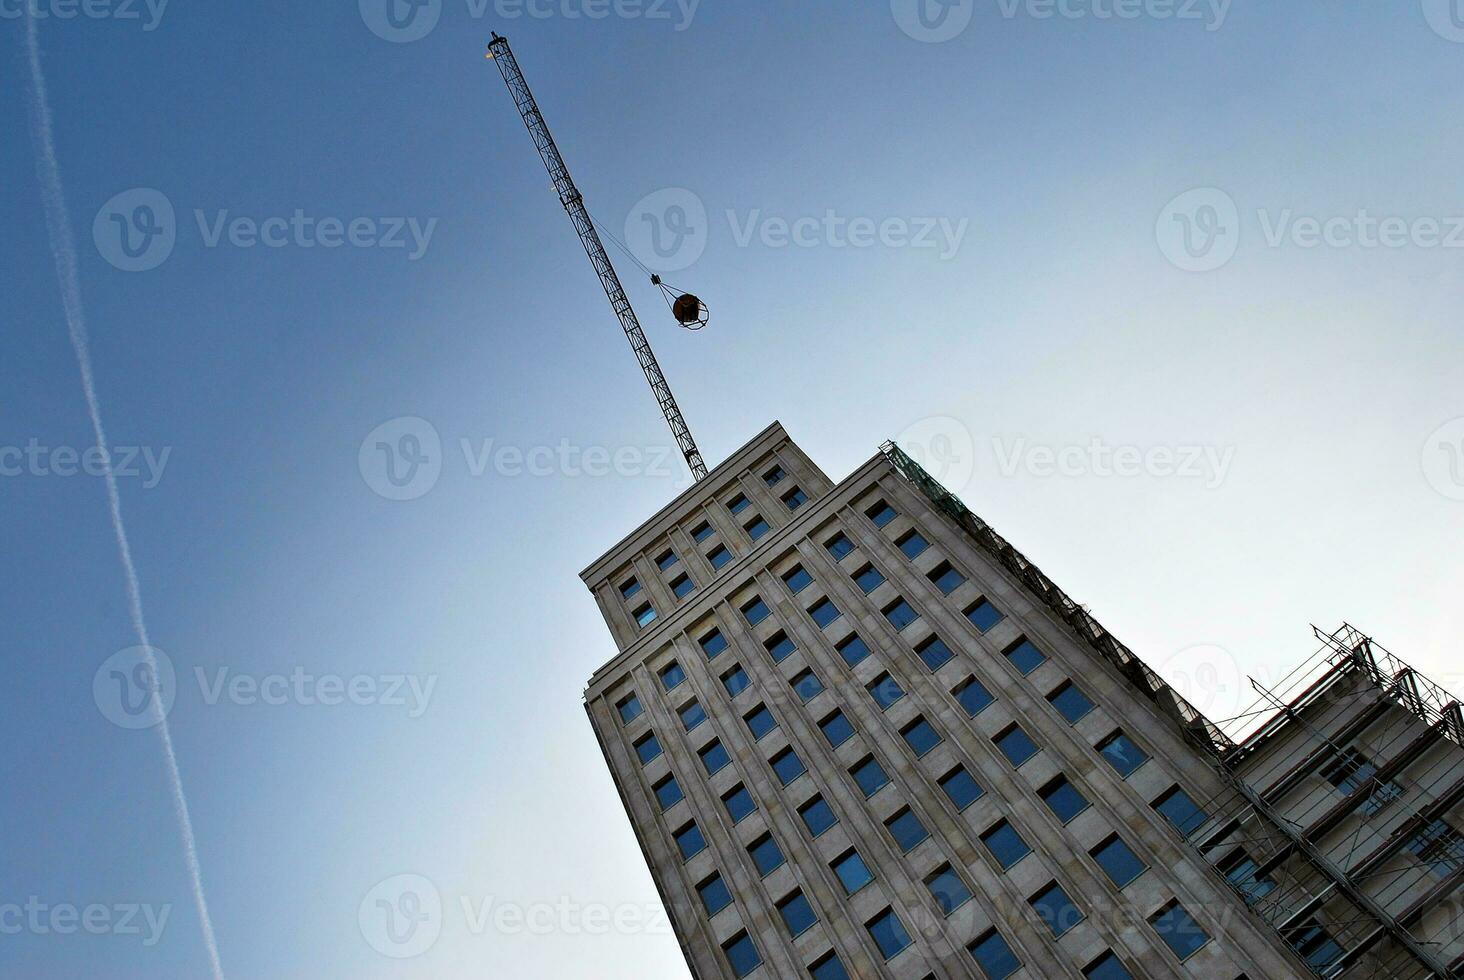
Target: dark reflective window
{"x":1005,"y":844}
{"x":961,"y":788}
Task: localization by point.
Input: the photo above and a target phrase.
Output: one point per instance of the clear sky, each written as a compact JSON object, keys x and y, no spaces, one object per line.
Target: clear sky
{"x":986,"y":241}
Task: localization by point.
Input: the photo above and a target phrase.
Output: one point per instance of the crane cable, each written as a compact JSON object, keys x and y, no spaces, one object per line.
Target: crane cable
{"x":668,"y":292}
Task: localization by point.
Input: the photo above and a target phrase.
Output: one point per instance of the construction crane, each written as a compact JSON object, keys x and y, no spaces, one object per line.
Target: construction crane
{"x":574,"y":203}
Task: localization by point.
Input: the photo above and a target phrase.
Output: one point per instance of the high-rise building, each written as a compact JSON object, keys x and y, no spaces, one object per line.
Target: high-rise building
{"x":858,"y":734}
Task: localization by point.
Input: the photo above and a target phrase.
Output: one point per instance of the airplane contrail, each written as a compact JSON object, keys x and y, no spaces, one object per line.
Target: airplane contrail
{"x":63,"y":250}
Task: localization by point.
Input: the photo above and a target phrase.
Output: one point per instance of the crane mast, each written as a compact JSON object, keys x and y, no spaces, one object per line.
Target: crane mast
{"x":574,"y":203}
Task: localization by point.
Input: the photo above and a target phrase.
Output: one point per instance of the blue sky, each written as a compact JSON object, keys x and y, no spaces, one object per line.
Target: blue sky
{"x":1028,"y":313}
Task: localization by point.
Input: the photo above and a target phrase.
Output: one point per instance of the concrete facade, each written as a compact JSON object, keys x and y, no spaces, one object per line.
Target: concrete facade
{"x":926,"y":848}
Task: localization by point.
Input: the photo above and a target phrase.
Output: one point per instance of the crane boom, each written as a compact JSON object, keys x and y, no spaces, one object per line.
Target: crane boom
{"x":574,"y":203}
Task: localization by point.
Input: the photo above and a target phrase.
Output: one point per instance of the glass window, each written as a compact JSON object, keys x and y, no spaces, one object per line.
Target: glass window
{"x":881,"y":513}
{"x":839,"y":546}
{"x":666,"y":560}
{"x":1024,"y":656}
{"x":1181,"y":811}
{"x":713,"y":643}
{"x":774,"y":475}
{"x":760,"y":721}
{"x":1439,"y":846}
{"x":692,"y":715}
{"x":906,"y":829}
{"x":870,"y":776}
{"x":807,"y":685}
{"x":647,"y":748}
{"x":797,"y":914}
{"x":817,"y":815}
{"x":921,"y":736}
{"x":853,"y":650}
{"x":836,"y":729}
{"x":1179,"y":930}
{"x":934,"y":652}
{"x":645,"y":615}
{"x":738,"y":802}
{"x":1352,"y":771}
{"x":1316,"y":946}
{"x":766,"y":855}
{"x":961,"y":788}
{"x":1241,"y":870}
{"x":668,"y":792}
{"x":1070,"y":702}
{"x":946,"y":578}
{"x":1005,"y":844}
{"x":701,"y":532}
{"x":736,"y":681}
{"x":912,"y":544}
{"x":1122,"y":754}
{"x":973,"y":696}
{"x":852,"y":871}
{"x":1015,"y":745}
{"x":756,"y":528}
{"x":868,"y":578}
{"x":714,"y":894}
{"x":738,"y":503}
{"x":780,"y":647}
{"x":1063,"y":799}
{"x":741,"y":955}
{"x":983,"y":615}
{"x":797,"y":579}
{"x":828,"y":968}
{"x":885,"y":691}
{"x":629,"y":588}
{"x":994,"y":956}
{"x":824,"y":612}
{"x":682,"y":586}
{"x":755,"y":611}
{"x":900,"y":614}
{"x":672,"y":676}
{"x":719,"y":556}
{"x":689,"y":841}
{"x":1118,"y":861}
{"x":714,"y":757}
{"x":629,"y":708}
{"x":1106,"y":967}
{"x":795,"y":498}
{"x":888,"y":933}
{"x":1055,"y":909}
{"x":948,"y":890}
{"x":788,"y":766}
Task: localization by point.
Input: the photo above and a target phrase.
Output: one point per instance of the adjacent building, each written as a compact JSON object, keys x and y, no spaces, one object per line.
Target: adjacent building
{"x":858,"y":734}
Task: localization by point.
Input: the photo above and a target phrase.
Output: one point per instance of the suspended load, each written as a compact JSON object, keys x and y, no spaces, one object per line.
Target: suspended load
{"x":687,"y":308}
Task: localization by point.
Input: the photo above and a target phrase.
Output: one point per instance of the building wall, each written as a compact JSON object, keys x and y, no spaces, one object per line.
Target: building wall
{"x":1113,"y":918}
